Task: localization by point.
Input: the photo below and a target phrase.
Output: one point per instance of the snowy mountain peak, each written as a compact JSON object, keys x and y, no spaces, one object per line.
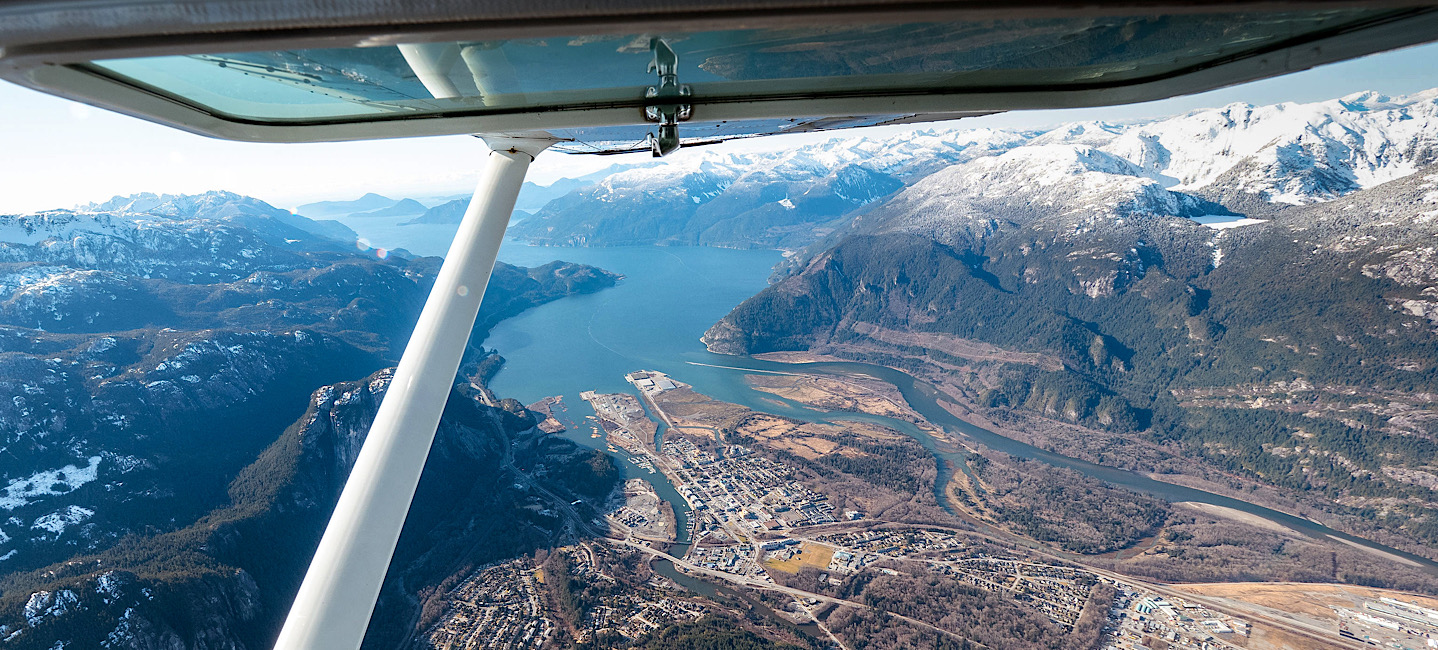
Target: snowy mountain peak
{"x":148,"y":222}
{"x":1095,"y":133}
{"x":1364,"y":100}
{"x":1047,"y":164}
{"x":1288,"y":153}
{"x":215,"y":204}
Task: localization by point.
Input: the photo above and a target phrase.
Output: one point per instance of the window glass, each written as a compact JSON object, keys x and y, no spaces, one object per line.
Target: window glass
{"x":478,"y":77}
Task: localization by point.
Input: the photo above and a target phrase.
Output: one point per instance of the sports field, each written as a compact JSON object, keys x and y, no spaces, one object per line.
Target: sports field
{"x":811,"y":554}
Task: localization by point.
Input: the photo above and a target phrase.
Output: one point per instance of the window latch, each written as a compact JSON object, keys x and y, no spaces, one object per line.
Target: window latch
{"x":667,"y":103}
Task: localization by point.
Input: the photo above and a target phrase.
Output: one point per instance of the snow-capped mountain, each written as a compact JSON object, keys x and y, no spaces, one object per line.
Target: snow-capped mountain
{"x":1084,"y":179}
{"x":1289,"y":153}
{"x":1073,"y":187}
{"x":772,"y":199}
{"x":1252,"y":159}
{"x":177,"y":237}
{"x":231,"y":208}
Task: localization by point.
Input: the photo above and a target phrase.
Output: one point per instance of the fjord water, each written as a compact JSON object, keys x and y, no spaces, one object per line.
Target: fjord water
{"x":652,"y":320}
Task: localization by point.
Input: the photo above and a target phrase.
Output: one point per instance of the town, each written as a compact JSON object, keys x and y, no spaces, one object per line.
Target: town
{"x":744,"y":489}
{"x":1392,"y":623}
{"x":496,"y":606}
{"x":624,"y":609}
{"x":753,"y":523}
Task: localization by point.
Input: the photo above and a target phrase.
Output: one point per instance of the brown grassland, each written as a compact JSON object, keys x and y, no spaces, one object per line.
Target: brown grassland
{"x":804,"y":439}
{"x":854,"y":395}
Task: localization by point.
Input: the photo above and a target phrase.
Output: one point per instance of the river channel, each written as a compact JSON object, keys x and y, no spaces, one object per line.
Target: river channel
{"x":653,"y":319}
{"x":924,"y":398}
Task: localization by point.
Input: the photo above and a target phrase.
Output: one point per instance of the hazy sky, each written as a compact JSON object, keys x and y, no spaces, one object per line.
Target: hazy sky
{"x":56,"y":153}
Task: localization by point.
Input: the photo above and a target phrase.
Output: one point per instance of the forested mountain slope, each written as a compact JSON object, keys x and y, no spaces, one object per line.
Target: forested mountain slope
{"x":153,"y":348}
{"x":226,"y":580}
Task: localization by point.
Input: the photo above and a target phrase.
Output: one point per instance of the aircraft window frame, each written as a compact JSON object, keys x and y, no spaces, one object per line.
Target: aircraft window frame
{"x":733,"y":104}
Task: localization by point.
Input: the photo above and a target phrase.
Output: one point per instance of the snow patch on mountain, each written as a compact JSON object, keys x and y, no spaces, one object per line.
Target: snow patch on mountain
{"x":20,"y":492}
{"x":31,"y":276}
{"x":718,"y":170}
{"x":1226,"y":221}
{"x":124,"y":633}
{"x":50,"y":604}
{"x":1429,"y":195}
{"x":56,"y":522}
{"x":31,"y":229}
{"x":108,"y":586}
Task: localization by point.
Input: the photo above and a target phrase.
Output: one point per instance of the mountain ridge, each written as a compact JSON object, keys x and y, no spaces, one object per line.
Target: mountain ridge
{"x":1251,"y":159}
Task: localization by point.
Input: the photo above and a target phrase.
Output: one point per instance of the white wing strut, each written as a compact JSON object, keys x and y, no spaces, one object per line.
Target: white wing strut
{"x":338,"y":595}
